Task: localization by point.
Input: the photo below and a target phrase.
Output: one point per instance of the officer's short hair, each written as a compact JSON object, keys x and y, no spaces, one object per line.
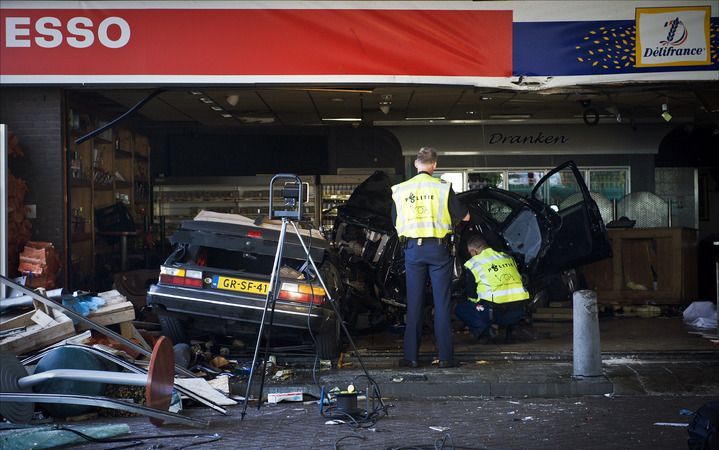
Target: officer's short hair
{"x":476,"y":241}
{"x":427,"y":155}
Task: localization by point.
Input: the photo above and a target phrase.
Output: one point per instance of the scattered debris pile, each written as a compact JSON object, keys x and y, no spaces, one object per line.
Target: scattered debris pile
{"x":73,"y":358}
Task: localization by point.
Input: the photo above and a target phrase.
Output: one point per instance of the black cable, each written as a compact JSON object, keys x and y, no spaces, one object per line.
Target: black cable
{"x":130,"y":445}
{"x":127,"y":114}
{"x":349,"y":436}
{"x":439,"y":444}
{"x":216,"y":437}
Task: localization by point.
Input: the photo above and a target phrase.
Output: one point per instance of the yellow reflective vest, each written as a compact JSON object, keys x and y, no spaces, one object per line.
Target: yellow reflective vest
{"x":497,"y":277}
{"x":422,"y":207}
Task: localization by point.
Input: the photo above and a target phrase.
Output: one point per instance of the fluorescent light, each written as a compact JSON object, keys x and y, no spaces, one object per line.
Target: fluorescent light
{"x":425,"y":118}
{"x":226,"y":115}
{"x":511,"y":116}
{"x":216,"y":108}
{"x":196,"y":93}
{"x":342,"y":119}
{"x":206,"y":100}
{"x":467,"y":121}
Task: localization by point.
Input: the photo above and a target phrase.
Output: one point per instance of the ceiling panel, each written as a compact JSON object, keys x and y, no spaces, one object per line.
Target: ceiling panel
{"x":300,"y":106}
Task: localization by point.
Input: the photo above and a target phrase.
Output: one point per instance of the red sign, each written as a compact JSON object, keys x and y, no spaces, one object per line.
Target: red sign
{"x":248,"y":42}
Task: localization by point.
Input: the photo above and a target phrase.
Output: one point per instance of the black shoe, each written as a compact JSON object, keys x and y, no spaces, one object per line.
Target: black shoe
{"x":408,"y":363}
{"x":448,"y":364}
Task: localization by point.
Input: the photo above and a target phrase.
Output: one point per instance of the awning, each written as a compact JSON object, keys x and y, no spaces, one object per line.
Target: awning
{"x":511,"y":45}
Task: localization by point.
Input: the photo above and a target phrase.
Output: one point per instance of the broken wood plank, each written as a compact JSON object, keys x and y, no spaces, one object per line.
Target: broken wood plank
{"x":111,"y":315}
{"x":36,"y":336}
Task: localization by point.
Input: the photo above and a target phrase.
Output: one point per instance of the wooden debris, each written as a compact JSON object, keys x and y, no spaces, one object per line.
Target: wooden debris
{"x":43,"y":327}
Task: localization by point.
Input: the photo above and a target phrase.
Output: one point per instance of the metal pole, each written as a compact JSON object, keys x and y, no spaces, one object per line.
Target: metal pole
{"x":4,"y":148}
{"x":615,"y":209}
{"x":87,"y":376}
{"x":587,"y":356}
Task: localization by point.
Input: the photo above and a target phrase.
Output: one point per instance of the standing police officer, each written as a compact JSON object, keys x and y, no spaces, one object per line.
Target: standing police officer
{"x":424,"y":209}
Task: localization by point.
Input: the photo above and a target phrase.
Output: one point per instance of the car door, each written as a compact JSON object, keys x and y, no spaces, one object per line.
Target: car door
{"x":509,"y":222}
{"x":581,"y":237}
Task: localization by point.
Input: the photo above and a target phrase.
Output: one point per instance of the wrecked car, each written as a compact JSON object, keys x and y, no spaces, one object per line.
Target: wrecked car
{"x":218,"y":275}
{"x":557,"y":228}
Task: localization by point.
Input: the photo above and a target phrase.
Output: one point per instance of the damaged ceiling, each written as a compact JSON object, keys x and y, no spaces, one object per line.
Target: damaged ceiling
{"x":409,"y":105}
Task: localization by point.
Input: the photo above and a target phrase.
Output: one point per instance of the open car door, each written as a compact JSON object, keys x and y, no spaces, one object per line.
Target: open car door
{"x":582,"y":236}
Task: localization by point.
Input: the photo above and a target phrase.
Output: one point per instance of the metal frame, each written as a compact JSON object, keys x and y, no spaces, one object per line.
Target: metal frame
{"x":87,"y":322}
{"x":128,"y":366}
{"x":103,"y":402}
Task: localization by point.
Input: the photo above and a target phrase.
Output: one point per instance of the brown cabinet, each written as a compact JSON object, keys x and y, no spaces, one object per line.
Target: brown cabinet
{"x":109,"y":168}
{"x":649,"y":264}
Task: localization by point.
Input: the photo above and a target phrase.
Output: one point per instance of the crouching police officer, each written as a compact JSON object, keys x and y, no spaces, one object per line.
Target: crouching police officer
{"x":495,"y":293}
{"x":424,"y":209}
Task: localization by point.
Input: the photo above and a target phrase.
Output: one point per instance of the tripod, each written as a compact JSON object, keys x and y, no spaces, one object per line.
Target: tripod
{"x":294,"y":198}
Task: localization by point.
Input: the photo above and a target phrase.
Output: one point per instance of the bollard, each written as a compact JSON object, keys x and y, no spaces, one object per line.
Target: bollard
{"x":587,"y":352}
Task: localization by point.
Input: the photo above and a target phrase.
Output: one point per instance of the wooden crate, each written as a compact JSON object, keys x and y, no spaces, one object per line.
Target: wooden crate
{"x":661,"y":260}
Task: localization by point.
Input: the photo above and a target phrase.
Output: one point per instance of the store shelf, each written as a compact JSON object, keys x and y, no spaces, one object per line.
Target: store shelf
{"x":123,"y":154}
{"x":93,"y":185}
{"x":336,"y":190}
{"x":80,"y":183}
{"x":180,"y":199}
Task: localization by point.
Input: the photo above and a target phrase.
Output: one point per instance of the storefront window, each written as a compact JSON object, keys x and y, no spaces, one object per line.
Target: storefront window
{"x":610,"y":183}
{"x":562,"y":189}
{"x":456,"y":179}
{"x":522,"y":182}
{"x":476,"y":180}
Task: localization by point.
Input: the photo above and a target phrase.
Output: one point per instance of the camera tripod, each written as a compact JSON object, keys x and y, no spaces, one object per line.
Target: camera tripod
{"x":293,"y":196}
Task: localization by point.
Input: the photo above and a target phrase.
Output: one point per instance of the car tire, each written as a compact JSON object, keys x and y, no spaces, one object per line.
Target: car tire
{"x":328,"y":342}
{"x":174,"y":329}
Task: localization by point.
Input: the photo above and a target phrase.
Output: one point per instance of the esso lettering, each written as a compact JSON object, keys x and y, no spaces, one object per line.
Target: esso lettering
{"x":78,"y":32}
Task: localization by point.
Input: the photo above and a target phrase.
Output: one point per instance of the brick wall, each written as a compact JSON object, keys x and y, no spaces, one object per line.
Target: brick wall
{"x":34,"y":115}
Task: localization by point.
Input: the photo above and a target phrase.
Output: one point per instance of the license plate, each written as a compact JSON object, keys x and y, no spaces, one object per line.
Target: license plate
{"x":240,"y":285}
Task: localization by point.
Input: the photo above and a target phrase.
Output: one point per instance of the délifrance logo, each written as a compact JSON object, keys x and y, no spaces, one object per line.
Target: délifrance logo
{"x":677,"y":33}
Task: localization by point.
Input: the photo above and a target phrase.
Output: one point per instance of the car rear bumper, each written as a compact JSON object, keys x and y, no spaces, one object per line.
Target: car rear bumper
{"x":230,"y":306}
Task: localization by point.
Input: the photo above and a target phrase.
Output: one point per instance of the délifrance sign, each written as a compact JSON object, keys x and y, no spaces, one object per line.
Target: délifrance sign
{"x":677,"y":36}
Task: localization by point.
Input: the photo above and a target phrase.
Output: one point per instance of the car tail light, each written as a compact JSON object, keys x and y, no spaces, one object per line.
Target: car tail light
{"x":180,"y":277}
{"x":254,"y":234}
{"x":302,"y":293}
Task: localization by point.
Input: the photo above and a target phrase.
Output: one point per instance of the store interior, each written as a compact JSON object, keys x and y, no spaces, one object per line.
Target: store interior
{"x":176,"y":151}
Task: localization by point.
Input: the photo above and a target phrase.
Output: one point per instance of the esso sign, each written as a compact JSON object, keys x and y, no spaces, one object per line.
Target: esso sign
{"x":78,"y":32}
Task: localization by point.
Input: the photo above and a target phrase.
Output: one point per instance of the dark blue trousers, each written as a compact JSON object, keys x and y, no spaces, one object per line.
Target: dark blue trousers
{"x":479,"y":321}
{"x":419,"y":260}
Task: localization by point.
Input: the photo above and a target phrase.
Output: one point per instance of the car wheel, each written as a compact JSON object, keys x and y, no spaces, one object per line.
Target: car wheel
{"x":174,"y":329}
{"x":328,"y":342}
